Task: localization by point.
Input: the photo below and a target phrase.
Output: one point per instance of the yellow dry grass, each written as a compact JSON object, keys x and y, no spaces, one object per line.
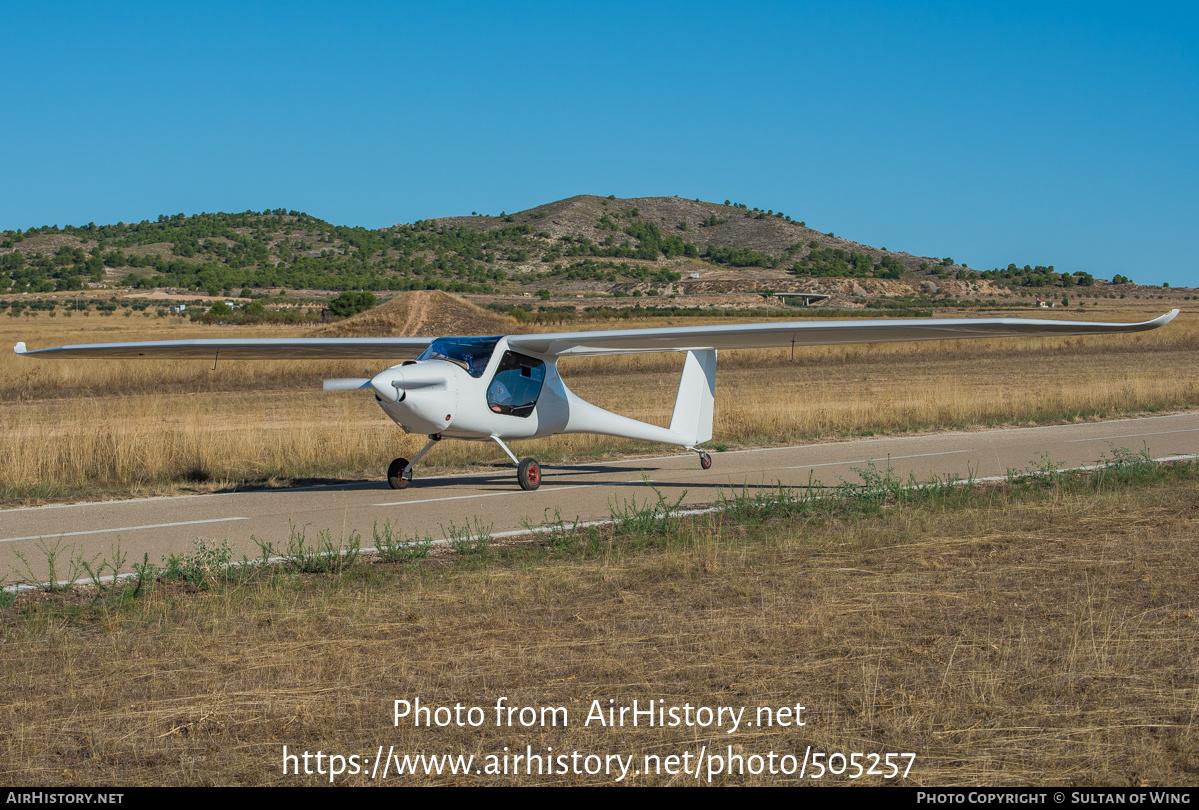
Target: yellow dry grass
{"x":74,"y":427}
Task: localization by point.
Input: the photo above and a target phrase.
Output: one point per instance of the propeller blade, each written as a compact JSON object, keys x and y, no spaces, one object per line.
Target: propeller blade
{"x":347,"y":384}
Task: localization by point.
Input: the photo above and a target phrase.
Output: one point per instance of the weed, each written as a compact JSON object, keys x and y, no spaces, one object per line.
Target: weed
{"x":203,"y":568}
{"x":1045,"y":474}
{"x":647,"y":520}
{"x":143,"y":574}
{"x":75,"y":566}
{"x":114,"y":567}
{"x":321,"y":556}
{"x":468,"y":540}
{"x":877,"y":488}
{"x":939,"y":491}
{"x":762,"y":505}
{"x":560,"y":537}
{"x":1126,"y":467}
{"x":400,"y":549}
{"x":266,"y":550}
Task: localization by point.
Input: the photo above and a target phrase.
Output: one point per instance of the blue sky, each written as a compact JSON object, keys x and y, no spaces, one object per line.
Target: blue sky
{"x":1033,"y":133}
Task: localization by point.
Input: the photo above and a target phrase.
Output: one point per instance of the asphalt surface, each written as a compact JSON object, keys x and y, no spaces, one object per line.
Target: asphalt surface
{"x":585,"y":492}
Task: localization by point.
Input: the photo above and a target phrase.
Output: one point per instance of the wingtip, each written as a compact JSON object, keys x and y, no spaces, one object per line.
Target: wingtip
{"x":20,"y":348}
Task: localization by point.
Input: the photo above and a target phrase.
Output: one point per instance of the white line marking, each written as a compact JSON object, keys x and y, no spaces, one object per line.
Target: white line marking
{"x":1133,"y":435}
{"x":120,"y":529}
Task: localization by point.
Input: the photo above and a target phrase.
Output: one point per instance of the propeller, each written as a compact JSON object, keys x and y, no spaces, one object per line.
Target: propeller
{"x":347,"y":383}
{"x":391,"y":385}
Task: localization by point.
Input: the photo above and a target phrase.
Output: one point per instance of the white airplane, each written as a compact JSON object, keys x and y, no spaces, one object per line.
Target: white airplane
{"x":507,"y":387}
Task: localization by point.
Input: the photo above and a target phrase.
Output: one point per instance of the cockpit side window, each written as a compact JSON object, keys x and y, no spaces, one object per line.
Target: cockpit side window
{"x":471,"y":354}
{"x":516,"y":385}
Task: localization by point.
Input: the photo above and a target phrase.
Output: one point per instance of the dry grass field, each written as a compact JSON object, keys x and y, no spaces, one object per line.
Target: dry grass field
{"x":120,"y":427}
{"x":1036,"y":634}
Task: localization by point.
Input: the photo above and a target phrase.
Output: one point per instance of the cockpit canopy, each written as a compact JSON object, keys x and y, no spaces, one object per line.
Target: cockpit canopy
{"x":471,"y":354}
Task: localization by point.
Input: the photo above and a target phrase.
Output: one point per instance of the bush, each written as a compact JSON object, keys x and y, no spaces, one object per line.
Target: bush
{"x":351,"y":303}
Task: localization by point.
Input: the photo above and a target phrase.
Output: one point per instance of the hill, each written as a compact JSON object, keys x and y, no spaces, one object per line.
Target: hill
{"x":581,"y":246}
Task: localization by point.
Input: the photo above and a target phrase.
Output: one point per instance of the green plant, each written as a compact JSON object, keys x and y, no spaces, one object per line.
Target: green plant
{"x":560,"y":536}
{"x":401,"y":549}
{"x":202,"y":568}
{"x":114,"y":566}
{"x":143,"y":574}
{"x":877,"y":487}
{"x":1047,"y":474}
{"x":469,"y":539}
{"x":266,"y":550}
{"x":1125,"y":466}
{"x":761,"y":505}
{"x":351,"y":303}
{"x":649,"y":519}
{"x":321,"y":556}
{"x":75,"y":566}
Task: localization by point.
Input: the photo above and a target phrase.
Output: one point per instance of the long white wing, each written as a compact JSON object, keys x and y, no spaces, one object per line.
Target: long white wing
{"x":384,"y":348}
{"x":618,"y":341}
{"x":809,"y":333}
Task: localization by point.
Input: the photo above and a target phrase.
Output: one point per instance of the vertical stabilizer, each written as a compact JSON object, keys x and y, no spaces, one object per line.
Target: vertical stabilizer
{"x":697,"y":397}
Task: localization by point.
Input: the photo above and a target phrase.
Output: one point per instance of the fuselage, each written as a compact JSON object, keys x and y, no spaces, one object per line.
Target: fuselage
{"x":479,"y":389}
{"x":475,"y":388}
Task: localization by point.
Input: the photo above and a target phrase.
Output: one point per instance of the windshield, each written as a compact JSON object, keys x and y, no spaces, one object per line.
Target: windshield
{"x":470,"y":353}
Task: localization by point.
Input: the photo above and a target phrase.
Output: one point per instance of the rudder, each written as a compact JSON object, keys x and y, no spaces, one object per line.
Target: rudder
{"x":696,"y":400}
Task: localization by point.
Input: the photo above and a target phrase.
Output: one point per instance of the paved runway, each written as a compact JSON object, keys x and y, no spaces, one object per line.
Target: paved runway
{"x":161,"y":526}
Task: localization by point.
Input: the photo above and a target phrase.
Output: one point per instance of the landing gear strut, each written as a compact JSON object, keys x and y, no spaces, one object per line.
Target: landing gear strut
{"x":399,"y":472}
{"x":528,"y":471}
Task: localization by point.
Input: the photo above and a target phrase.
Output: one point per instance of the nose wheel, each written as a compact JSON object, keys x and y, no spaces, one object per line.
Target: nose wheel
{"x":396,"y":477}
{"x":529,"y":474}
{"x":705,"y":461}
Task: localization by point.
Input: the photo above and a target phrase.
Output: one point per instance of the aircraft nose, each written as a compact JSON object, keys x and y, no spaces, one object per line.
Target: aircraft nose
{"x":384,"y":385}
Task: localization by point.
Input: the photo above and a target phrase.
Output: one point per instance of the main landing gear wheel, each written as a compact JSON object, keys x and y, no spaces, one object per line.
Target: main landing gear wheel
{"x":705,"y":461}
{"x":395,"y":474}
{"x":529,"y":474}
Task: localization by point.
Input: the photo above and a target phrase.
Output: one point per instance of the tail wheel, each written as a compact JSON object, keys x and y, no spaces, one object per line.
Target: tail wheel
{"x":395,"y":474}
{"x":705,"y":461}
{"x":529,"y":474}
